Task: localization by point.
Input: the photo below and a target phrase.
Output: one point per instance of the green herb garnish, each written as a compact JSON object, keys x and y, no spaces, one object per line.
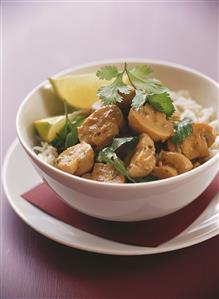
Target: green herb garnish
{"x":109,"y":94}
{"x":182,"y":130}
{"x":147,"y":89}
{"x":108,"y":155}
{"x":139,"y":73}
{"x":107,"y":72}
{"x":139,"y":100}
{"x":139,"y":78}
{"x":68,"y":135}
{"x":162,"y":103}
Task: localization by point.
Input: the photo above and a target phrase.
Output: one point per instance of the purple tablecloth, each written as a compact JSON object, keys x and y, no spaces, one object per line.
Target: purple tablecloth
{"x":40,"y":39}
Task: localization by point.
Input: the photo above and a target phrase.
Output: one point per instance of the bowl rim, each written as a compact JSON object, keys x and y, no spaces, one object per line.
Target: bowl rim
{"x":162,"y":182}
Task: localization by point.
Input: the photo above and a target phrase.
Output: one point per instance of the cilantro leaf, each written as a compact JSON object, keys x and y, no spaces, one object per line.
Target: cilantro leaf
{"x":118,"y":142}
{"x":149,"y":89}
{"x":138,"y":77}
{"x":78,"y":120}
{"x":71,"y":138}
{"x":154,"y":86}
{"x":182,"y":130}
{"x":139,"y":100}
{"x":162,"y":102}
{"x":68,"y":135}
{"x":108,"y":155}
{"x":141,"y":71}
{"x":119,"y":165}
{"x":107,"y":72}
{"x":109,"y":94}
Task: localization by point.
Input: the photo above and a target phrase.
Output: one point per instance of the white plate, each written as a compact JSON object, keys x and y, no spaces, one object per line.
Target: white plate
{"x":205,"y":227}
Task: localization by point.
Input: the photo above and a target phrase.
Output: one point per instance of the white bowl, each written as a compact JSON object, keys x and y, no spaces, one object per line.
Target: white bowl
{"x":122,"y":202}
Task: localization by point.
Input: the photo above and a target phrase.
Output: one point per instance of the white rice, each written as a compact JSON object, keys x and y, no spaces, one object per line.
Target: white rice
{"x":185,"y":106}
{"x":46,"y":152}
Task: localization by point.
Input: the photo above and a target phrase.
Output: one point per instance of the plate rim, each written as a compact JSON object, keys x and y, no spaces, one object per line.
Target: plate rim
{"x":135,"y":250}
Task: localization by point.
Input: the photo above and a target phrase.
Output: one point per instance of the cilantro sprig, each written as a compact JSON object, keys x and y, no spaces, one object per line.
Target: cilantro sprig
{"x":68,"y":135}
{"x":182,"y":130}
{"x":107,"y":72}
{"x":108,"y":155}
{"x":110,"y":94}
{"x":139,"y":99}
{"x":147,"y":89}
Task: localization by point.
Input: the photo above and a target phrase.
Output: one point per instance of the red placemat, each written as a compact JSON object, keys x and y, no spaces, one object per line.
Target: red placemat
{"x":150,"y":233}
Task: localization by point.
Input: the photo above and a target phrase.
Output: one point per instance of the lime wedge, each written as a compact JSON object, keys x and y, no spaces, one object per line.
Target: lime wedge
{"x":78,"y":90}
{"x":47,"y":128}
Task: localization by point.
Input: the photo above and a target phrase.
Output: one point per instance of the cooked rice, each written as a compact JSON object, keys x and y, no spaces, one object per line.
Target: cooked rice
{"x":187,"y":107}
{"x":46,"y":152}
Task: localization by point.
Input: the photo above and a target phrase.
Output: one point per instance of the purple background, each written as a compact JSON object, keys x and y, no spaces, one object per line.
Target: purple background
{"x":40,"y":39}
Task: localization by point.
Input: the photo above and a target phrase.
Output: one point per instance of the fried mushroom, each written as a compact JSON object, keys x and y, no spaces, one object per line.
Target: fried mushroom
{"x":170,"y":164}
{"x":77,"y":159}
{"x":101,"y":126}
{"x":176,"y":160}
{"x":164,"y":172}
{"x":105,"y":173}
{"x":143,"y":160}
{"x":197,"y":144}
{"x":150,"y":121}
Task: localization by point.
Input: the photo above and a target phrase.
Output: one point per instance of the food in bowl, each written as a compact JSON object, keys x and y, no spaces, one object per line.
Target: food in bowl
{"x":140,"y":131}
{"x":116,"y":201}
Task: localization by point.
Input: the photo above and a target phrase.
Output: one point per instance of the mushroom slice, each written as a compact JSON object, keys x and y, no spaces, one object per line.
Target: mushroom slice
{"x":197,"y":143}
{"x":176,"y":160}
{"x":163,"y":172}
{"x":77,"y":159}
{"x":171,"y":164}
{"x":106,"y":173}
{"x":143,"y":160}
{"x":101,"y":126}
{"x":150,"y":121}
